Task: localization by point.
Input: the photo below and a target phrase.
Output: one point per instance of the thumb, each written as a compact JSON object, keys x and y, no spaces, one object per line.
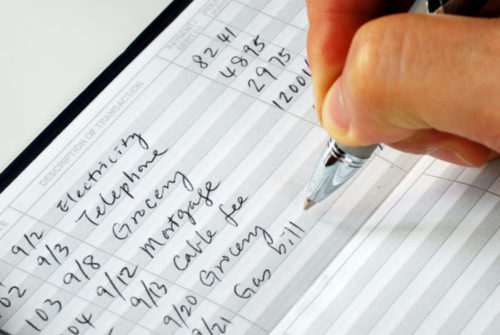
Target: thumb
{"x":408,"y":75}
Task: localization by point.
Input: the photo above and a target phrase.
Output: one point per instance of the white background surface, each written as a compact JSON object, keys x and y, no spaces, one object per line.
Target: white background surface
{"x":51,"y":51}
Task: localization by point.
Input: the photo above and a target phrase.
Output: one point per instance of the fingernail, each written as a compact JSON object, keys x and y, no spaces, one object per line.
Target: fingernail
{"x":449,"y":156}
{"x":335,"y":109}
{"x":464,"y":160}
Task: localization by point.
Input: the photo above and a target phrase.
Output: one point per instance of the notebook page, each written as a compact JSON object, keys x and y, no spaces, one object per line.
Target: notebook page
{"x":426,"y":262}
{"x":172,"y":204}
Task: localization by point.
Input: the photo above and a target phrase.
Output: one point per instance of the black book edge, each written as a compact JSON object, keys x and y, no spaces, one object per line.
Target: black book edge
{"x":40,"y":143}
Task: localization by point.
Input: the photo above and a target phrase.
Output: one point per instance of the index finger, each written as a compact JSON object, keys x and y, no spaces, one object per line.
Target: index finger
{"x":333,"y":24}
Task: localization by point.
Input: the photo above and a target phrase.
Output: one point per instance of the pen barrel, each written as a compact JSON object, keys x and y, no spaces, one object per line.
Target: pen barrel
{"x":337,"y":164}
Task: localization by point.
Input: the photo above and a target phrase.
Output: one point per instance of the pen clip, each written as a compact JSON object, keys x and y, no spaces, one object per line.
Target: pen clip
{"x":456,"y":7}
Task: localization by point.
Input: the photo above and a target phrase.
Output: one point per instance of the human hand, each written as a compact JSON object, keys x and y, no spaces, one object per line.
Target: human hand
{"x":420,"y":83}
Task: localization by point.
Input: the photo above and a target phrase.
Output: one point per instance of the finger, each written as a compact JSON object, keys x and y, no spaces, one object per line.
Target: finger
{"x":332,"y":26}
{"x":446,"y":147}
{"x":494,"y":156}
{"x":333,"y":23}
{"x":409,"y":72}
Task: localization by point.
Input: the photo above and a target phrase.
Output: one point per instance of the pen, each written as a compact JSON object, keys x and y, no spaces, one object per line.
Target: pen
{"x":338,"y":163}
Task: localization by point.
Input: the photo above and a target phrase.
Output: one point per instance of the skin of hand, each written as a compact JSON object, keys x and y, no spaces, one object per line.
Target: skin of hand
{"x":427,"y":84}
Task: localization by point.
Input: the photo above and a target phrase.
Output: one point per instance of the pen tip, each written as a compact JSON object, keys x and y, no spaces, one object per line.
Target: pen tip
{"x":308,"y":204}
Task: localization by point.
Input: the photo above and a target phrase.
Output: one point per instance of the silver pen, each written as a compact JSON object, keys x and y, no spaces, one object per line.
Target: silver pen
{"x":338,"y":163}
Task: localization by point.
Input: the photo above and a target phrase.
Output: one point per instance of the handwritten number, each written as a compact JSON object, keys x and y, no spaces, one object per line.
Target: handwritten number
{"x":230,"y":72}
{"x":239,"y":60}
{"x":135,"y":301}
{"x":182,"y":313}
{"x":162,"y":288}
{"x":89,"y":260}
{"x":255,"y":85}
{"x":262,"y":71}
{"x":256,"y":48}
{"x":230,"y":31}
{"x":5,"y":302}
{"x":192,"y":300}
{"x":211,"y":52}
{"x":277,"y":59}
{"x":307,"y":73}
{"x":54,"y":302}
{"x":128,"y":273}
{"x":42,"y":260}
{"x":293,"y":88}
{"x":42,"y":314}
{"x":32,"y":325}
{"x":283,"y":57}
{"x":84,"y":319}
{"x":285,"y":97}
{"x":259,"y":45}
{"x":180,"y":316}
{"x":37,"y":236}
{"x":16,"y":249}
{"x":186,"y":309}
{"x":33,"y":235}
{"x":198,"y":60}
{"x":167,"y":319}
{"x":278,"y":105}
{"x":73,"y":330}
{"x":62,"y":249}
{"x":226,"y":37}
{"x":249,"y":49}
{"x":20,"y":293}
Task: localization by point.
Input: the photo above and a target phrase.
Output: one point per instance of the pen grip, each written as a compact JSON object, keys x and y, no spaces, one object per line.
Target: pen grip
{"x":360,"y":152}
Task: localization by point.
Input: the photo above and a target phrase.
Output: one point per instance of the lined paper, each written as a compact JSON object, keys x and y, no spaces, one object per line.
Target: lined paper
{"x":426,"y":262}
{"x":173,"y":205}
